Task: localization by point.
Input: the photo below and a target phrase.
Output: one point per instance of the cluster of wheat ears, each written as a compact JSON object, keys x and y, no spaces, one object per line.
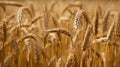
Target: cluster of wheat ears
{"x":73,"y":37}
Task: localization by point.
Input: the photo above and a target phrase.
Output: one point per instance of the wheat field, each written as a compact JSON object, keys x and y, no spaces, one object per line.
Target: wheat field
{"x":59,"y":33}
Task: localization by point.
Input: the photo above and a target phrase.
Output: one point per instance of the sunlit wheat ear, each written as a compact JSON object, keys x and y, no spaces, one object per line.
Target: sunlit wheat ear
{"x":20,"y":13}
{"x":11,"y":3}
{"x":105,"y":19}
{"x":77,"y":19}
{"x":86,"y":38}
{"x":35,"y":19}
{"x":55,"y":30}
{"x":45,"y":11}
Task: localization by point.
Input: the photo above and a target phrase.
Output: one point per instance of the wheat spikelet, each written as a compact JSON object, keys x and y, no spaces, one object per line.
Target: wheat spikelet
{"x":11,"y":3}
{"x":105,"y":20}
{"x":20,"y":15}
{"x":77,"y":19}
{"x":86,"y":38}
{"x":96,"y":21}
{"x":45,"y":17}
{"x":4,"y":30}
{"x":28,"y":11}
{"x":21,"y":12}
{"x":37,"y":53}
{"x":87,"y":18}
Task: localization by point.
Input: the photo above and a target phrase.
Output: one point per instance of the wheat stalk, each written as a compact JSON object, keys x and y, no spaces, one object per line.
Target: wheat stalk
{"x":111,"y":30}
